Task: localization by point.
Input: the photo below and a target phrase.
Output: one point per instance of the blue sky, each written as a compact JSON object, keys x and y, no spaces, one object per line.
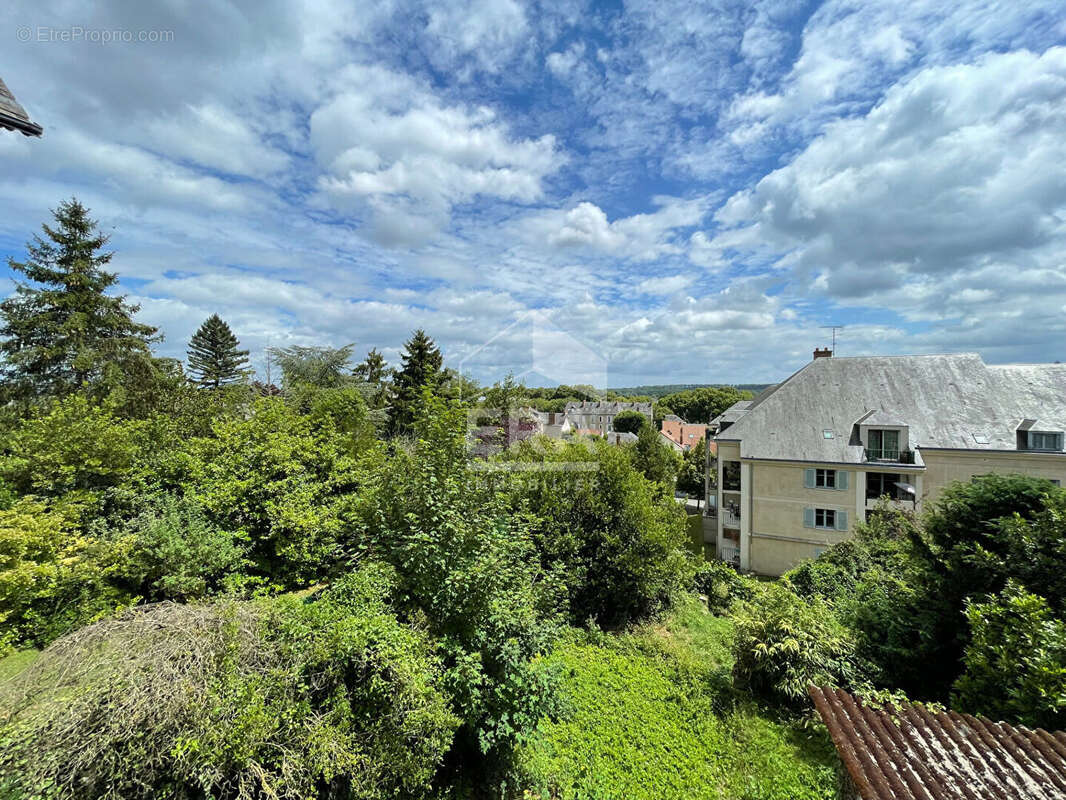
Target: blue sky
{"x":687,"y":190}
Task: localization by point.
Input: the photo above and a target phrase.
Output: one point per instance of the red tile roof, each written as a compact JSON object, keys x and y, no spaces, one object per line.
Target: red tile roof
{"x":908,"y":752}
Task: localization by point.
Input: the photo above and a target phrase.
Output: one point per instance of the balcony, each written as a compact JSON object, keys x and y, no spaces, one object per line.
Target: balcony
{"x":731,"y":555}
{"x":889,"y":456}
{"x":730,"y":519}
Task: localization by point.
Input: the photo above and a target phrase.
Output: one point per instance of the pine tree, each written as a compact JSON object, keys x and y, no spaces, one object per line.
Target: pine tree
{"x":214,"y":357}
{"x":373,"y":367}
{"x":61,"y":331}
{"x":421,"y":368}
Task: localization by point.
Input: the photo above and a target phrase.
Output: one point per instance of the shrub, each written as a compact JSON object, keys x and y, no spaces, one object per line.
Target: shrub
{"x":619,"y":542}
{"x":281,"y":698}
{"x":785,"y":643}
{"x":68,"y":446}
{"x":180,"y":554}
{"x":284,"y":482}
{"x":468,"y":567}
{"x":1015,"y":663}
{"x":722,"y":585}
{"x":52,"y":577}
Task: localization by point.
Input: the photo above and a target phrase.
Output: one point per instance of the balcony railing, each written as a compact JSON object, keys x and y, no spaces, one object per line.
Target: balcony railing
{"x":731,"y":554}
{"x":892,"y":456}
{"x":730,"y":519}
{"x":731,"y":486}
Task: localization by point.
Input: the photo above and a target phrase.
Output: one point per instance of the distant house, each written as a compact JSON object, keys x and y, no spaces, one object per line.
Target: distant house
{"x":13,"y":116}
{"x":685,"y":435}
{"x":598,"y":416}
{"x":807,"y":459}
{"x":907,"y":752}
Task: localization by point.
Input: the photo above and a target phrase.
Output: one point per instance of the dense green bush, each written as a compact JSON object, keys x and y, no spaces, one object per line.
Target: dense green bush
{"x":469,"y":568}
{"x":179,"y":554}
{"x":284,"y":482}
{"x":284,"y":698}
{"x":722,"y":585}
{"x":619,"y":542}
{"x":1015,"y":663}
{"x":52,"y":577}
{"x":784,"y":644}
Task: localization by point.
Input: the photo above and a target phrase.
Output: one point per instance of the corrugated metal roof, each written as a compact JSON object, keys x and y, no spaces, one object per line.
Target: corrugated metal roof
{"x":943,"y":400}
{"x":13,"y":116}
{"x":907,"y":752}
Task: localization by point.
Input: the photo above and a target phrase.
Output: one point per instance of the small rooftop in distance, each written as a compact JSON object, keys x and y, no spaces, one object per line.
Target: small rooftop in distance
{"x":907,"y":752}
{"x":13,"y":116}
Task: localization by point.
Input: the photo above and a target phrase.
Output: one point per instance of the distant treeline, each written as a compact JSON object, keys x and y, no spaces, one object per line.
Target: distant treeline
{"x":661,"y":390}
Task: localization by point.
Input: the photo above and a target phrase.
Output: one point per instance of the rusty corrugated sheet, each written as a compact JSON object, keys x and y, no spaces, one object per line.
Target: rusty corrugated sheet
{"x":907,"y":752}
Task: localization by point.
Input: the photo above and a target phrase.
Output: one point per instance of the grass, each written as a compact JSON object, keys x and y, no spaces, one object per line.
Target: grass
{"x":653,"y":714}
{"x":13,"y":664}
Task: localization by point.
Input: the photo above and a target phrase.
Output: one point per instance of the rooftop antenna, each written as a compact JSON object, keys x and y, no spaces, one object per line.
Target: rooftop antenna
{"x":834,"y":328}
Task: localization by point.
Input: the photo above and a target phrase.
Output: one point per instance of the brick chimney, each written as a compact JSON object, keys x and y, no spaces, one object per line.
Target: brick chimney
{"x":824,"y":352}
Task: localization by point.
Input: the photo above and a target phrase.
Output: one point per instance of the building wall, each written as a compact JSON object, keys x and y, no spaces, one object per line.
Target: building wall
{"x":946,"y":466}
{"x":778,"y":538}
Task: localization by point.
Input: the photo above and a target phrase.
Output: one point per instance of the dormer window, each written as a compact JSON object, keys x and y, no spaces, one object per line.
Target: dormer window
{"x":884,"y":445}
{"x":1045,"y":440}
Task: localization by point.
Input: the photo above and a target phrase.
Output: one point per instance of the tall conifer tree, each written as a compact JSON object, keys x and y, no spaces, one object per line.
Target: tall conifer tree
{"x":215,"y":357}
{"x":61,"y":331}
{"x":421,"y":368}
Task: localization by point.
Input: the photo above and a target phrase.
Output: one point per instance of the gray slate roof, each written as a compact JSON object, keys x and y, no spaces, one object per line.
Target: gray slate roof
{"x":13,"y":116}
{"x":607,"y":407}
{"x":944,"y":399}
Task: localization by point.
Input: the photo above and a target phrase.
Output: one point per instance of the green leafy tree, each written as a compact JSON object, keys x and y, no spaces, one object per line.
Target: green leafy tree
{"x":1015,"y":662}
{"x":215,"y":357}
{"x":629,"y":422}
{"x":700,"y":405}
{"x":61,"y":330}
{"x":690,"y":478}
{"x":618,"y":540}
{"x":321,"y":367}
{"x":655,"y":460}
{"x":468,"y":566}
{"x":421,"y":370}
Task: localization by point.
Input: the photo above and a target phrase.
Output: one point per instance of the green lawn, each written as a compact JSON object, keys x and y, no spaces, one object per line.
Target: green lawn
{"x":652,"y":714}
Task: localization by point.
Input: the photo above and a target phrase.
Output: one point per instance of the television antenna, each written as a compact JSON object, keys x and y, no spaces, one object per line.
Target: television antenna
{"x":834,"y":328}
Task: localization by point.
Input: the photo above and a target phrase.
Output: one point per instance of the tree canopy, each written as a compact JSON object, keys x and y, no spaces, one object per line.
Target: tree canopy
{"x":215,"y":357}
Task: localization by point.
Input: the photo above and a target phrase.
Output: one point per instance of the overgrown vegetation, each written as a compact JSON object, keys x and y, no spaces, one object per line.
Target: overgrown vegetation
{"x":318,"y":589}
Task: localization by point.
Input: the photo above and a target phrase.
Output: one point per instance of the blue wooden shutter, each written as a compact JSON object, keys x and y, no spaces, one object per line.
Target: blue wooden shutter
{"x":808,"y":478}
{"x":842,"y":520}
{"x":842,"y":480}
{"x":808,"y":518}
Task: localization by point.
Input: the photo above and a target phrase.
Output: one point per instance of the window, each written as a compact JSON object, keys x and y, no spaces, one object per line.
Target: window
{"x":1039,"y":440}
{"x":884,"y":445}
{"x":827,"y":434}
{"x":731,"y":476}
{"x":825,"y":518}
{"x":879,"y":484}
{"x":825,"y":479}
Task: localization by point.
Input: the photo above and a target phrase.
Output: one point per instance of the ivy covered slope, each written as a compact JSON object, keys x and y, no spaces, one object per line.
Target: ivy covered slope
{"x":654,"y":714}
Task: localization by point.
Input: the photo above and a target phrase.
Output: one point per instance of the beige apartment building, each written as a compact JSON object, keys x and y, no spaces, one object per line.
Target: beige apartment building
{"x":809,"y":458}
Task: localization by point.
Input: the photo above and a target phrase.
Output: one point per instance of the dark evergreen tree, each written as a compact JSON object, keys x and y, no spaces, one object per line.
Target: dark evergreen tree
{"x":421,"y":368}
{"x":373,"y":368}
{"x":215,"y":357}
{"x":61,"y":330}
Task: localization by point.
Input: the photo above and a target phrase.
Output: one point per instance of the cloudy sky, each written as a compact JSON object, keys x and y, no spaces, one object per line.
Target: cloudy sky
{"x":687,"y":191}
